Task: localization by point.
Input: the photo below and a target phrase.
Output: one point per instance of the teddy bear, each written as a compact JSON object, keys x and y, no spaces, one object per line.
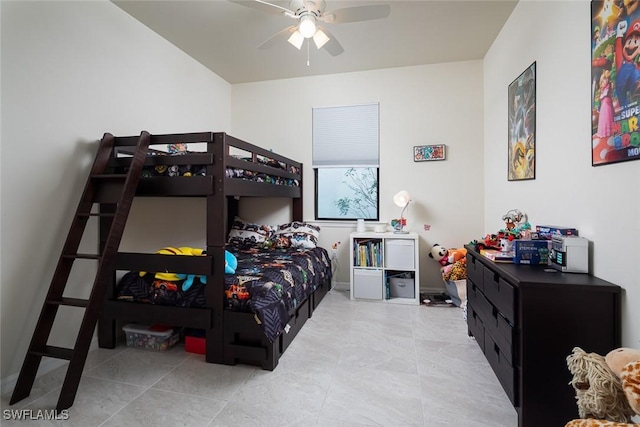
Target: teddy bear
{"x":607,"y":388}
{"x":447,"y":256}
{"x":439,"y":253}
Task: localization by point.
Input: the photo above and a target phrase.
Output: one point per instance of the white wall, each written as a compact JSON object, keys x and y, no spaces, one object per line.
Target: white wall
{"x":436,"y":104}
{"x":603,"y":202}
{"x":70,"y":72}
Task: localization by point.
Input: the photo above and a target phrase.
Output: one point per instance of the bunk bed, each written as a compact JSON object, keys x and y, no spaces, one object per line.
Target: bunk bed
{"x":225,"y":171}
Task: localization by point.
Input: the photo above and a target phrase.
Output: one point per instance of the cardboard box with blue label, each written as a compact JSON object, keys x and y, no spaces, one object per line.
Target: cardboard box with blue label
{"x":532,"y":252}
{"x":548,"y":231}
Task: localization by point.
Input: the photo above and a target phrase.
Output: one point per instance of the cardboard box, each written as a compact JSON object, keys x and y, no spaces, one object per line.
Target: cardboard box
{"x":547,"y":231}
{"x":532,"y":252}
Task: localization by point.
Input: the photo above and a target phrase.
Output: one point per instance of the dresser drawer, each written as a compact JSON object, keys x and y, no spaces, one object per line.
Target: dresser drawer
{"x":475,"y":271}
{"x":502,"y":334}
{"x":479,"y":303}
{"x":502,"y":367}
{"x":500,"y":293}
{"x":475,"y":326}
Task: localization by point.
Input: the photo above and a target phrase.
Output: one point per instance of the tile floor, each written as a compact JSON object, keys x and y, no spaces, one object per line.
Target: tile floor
{"x":354,"y":363}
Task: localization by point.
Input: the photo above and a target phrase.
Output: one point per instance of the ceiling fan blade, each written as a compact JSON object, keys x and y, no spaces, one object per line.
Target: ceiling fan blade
{"x":356,"y":13}
{"x":264,"y":6}
{"x":278,"y":37}
{"x":333,"y":46}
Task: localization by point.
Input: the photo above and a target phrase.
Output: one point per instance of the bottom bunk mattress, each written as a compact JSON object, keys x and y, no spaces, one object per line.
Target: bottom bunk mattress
{"x":271,"y":283}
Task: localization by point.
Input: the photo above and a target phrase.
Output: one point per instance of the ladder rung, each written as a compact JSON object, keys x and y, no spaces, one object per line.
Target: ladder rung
{"x":74,"y":302}
{"x":101,"y":215}
{"x":109,"y":176}
{"x":81,"y":256}
{"x":56,"y":352}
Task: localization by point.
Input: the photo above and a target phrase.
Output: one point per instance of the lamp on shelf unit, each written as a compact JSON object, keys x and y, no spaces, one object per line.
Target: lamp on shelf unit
{"x":402,"y":200}
{"x":307,"y":29}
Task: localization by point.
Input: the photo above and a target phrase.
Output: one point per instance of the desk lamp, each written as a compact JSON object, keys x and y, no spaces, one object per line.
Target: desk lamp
{"x":401,"y":199}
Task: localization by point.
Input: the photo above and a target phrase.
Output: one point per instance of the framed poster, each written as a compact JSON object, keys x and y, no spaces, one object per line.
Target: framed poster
{"x":615,"y":81}
{"x":426,"y":153}
{"x":522,"y":126}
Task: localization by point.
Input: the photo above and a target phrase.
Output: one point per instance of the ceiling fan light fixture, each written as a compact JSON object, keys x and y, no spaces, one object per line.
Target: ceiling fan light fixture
{"x":320,"y":38}
{"x":307,"y":26}
{"x":296,"y":39}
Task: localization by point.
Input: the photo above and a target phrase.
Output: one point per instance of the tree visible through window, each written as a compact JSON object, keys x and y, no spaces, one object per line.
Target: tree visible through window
{"x":347,"y":193}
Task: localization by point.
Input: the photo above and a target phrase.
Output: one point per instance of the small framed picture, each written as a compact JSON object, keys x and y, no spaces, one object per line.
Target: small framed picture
{"x":427,"y":153}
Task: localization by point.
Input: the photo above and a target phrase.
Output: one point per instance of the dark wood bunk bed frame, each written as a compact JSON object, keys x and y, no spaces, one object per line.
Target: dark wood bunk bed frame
{"x":231,"y":337}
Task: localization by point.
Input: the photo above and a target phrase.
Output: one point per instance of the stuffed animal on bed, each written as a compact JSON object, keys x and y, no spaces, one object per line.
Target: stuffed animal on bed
{"x":230,"y":265}
{"x":607,"y":388}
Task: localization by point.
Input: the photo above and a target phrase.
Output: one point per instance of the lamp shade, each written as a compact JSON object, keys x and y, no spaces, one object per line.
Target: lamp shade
{"x":320,"y":38}
{"x":296,"y":39}
{"x":402,"y":198}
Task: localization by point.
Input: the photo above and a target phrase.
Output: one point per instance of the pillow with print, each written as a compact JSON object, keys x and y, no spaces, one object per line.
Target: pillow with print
{"x":245,"y":233}
{"x":296,"y":234}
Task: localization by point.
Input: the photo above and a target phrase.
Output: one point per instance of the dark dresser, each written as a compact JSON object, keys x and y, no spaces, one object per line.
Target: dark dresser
{"x":527,"y":320}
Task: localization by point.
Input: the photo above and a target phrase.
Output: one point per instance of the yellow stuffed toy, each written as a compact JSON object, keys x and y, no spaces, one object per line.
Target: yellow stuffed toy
{"x":607,"y":388}
{"x":168,"y":277}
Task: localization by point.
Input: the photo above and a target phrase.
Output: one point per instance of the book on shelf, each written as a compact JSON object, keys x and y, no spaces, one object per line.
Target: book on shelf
{"x":498,"y":256}
{"x":367,"y":253}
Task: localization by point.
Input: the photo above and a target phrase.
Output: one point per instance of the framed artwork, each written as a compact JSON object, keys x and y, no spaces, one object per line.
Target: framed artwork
{"x":615,"y":81}
{"x":426,"y":153}
{"x":522,"y":126}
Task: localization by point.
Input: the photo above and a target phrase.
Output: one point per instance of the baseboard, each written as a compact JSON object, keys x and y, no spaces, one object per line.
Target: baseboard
{"x":432,"y":290}
{"x":344,"y":286}
{"x":47,"y":365}
{"x":340,"y":286}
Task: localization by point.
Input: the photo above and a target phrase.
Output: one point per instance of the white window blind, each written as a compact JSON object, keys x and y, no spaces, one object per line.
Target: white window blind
{"x":346,"y":136}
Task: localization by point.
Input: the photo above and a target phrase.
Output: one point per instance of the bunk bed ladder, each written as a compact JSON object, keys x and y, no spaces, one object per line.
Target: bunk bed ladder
{"x":100,"y":184}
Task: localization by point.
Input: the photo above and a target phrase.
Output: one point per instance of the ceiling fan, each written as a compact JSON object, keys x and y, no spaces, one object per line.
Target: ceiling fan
{"x":308,"y":13}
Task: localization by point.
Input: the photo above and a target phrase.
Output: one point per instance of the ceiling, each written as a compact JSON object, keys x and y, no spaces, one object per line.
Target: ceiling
{"x":224,"y":36}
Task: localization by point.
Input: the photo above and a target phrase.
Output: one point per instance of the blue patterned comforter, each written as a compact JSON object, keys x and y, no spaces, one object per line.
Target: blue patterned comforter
{"x":271,"y":283}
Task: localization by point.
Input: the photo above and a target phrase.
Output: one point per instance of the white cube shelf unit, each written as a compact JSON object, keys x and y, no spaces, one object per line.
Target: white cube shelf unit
{"x":384,"y":267}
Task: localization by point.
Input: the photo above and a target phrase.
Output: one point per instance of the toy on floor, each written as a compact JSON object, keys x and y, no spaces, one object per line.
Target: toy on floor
{"x":607,"y":388}
{"x":454,"y":269}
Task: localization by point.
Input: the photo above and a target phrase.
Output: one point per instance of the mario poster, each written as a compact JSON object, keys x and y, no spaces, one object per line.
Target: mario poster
{"x":615,"y":81}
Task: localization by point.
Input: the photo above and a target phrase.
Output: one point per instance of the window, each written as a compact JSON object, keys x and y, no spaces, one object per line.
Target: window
{"x":346,"y":162}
